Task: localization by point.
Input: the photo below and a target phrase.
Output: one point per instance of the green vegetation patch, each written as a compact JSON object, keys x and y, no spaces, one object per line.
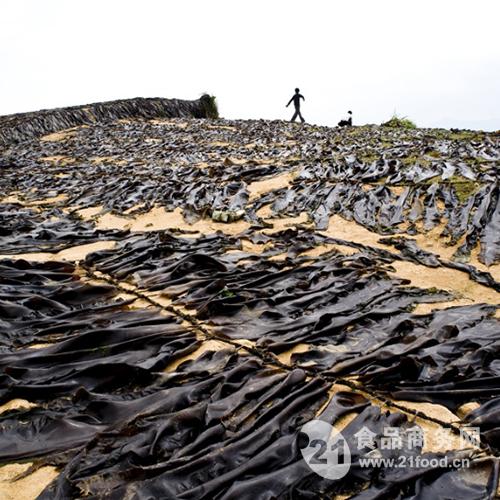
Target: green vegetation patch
{"x":412,"y":160}
{"x":369,"y":157}
{"x":210,"y":106}
{"x":399,"y":122}
{"x":464,"y":188}
{"x":463,"y":135}
{"x":227,"y":294}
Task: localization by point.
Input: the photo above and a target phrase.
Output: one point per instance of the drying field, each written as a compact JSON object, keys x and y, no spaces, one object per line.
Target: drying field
{"x":179,"y":296}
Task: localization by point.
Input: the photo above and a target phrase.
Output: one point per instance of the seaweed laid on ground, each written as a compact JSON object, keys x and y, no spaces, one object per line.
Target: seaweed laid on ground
{"x":206,"y":430}
{"x":22,"y":230}
{"x":183,"y":363}
{"x":388,"y":180}
{"x":343,"y":306}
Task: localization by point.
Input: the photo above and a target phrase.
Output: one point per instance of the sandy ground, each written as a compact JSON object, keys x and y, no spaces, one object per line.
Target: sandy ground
{"x":158,"y":219}
{"x":446,"y":279}
{"x":14,"y":198}
{"x":259,"y":188}
{"x":352,"y":231}
{"x":14,"y":487}
{"x":72,"y":254}
{"x":58,"y":160}
{"x":62,"y":134}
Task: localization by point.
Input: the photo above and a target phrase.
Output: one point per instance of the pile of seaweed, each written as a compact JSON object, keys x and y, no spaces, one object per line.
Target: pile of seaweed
{"x":22,"y":126}
{"x":183,"y":362}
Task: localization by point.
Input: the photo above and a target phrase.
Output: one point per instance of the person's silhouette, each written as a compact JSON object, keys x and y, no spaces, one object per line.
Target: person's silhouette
{"x":296,"y":102}
{"x":348,"y":122}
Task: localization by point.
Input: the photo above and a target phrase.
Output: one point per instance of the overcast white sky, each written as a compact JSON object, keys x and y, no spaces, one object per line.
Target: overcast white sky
{"x":436,"y":61}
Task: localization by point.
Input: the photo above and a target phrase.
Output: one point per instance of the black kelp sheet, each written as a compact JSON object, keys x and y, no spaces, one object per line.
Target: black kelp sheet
{"x":24,"y":126}
{"x":389,"y":181}
{"x":224,"y":425}
{"x":355,"y":317}
{"x":23,"y":229}
{"x":113,"y":415}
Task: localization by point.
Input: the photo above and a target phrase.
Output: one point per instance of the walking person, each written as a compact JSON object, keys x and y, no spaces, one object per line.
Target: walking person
{"x":296,"y":102}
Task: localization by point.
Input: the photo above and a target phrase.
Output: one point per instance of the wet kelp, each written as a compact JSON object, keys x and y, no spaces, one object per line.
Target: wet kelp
{"x":332,"y":299}
{"x":255,"y":454}
{"x":278,"y":302}
{"x":220,"y":426}
{"x":45,"y":302}
{"x":24,"y":229}
{"x":225,"y":423}
{"x":355,"y":318}
{"x":128,"y":400}
{"x":388,"y":180}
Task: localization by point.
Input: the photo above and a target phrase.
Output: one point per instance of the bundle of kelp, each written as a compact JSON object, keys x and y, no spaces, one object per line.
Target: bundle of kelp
{"x":22,"y":126}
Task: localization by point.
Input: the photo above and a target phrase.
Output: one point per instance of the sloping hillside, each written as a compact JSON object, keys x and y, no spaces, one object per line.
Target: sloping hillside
{"x":181,"y":295}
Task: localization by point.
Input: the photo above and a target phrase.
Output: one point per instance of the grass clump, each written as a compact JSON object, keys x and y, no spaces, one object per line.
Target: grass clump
{"x":227,"y":294}
{"x":399,"y":122}
{"x":464,"y":188}
{"x":463,"y":135}
{"x":210,"y":106}
{"x":412,"y":160}
{"x":369,"y":158}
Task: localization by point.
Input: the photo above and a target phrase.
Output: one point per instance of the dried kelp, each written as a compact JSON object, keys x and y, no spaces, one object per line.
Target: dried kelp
{"x":218,"y":427}
{"x":112,"y":412}
{"x":22,"y":230}
{"x":355,"y":318}
{"x":389,"y":181}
